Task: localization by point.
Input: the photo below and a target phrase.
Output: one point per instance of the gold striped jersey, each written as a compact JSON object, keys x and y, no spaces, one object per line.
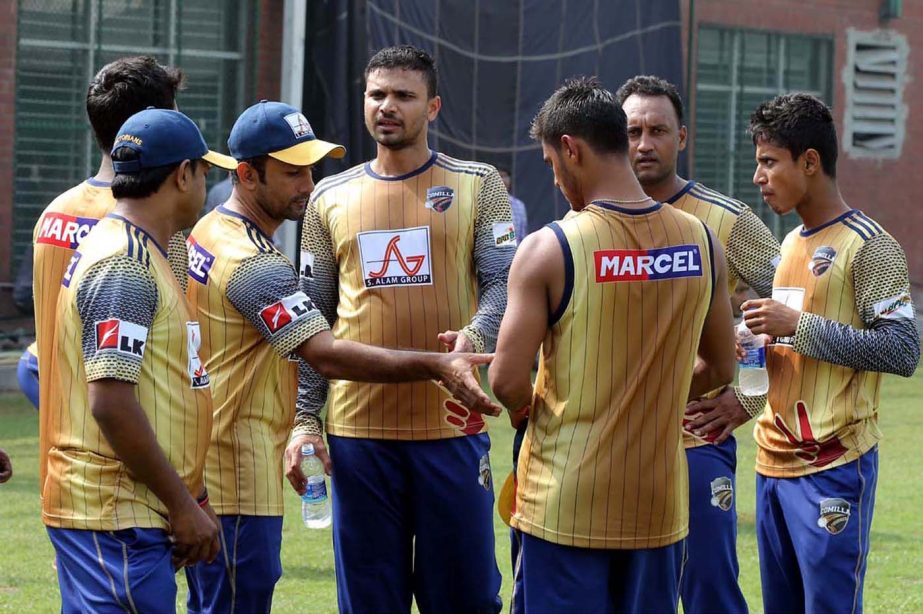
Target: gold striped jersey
{"x":253,"y":316}
{"x":393,"y":262}
{"x":849,"y":279}
{"x":121,"y":315}
{"x":750,"y":249}
{"x":603,"y":464}
{"x":58,"y":232}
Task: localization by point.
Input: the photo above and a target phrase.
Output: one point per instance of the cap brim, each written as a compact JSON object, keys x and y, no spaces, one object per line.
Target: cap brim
{"x":309,"y":152}
{"x":506,"y":501}
{"x":220,"y":160}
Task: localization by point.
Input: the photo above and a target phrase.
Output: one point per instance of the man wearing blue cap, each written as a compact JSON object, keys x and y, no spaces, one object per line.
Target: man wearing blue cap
{"x":255,"y":319}
{"x":124,"y":497}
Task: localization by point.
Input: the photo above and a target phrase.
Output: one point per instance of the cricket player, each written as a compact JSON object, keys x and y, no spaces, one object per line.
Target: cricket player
{"x":410,"y":250}
{"x":840,"y":315}
{"x":255,"y":322}
{"x":123,"y":496}
{"x":632,"y":291}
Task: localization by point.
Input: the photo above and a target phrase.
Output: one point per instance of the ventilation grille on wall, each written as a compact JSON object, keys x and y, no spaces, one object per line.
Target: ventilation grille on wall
{"x":874,"y":75}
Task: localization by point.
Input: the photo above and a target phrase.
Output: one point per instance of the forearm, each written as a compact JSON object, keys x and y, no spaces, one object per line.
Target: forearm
{"x":515,"y":395}
{"x":889,"y":346}
{"x":707,"y":376}
{"x":128,"y":431}
{"x":349,"y":360}
{"x":752,"y":404}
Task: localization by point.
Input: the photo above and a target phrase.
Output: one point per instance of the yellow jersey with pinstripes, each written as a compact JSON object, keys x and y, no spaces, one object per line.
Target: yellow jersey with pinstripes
{"x":121,"y":315}
{"x":847,"y":277}
{"x":253,"y":316}
{"x":750,"y":249}
{"x":57,"y":234}
{"x":393,"y":262}
{"x":602,"y":464}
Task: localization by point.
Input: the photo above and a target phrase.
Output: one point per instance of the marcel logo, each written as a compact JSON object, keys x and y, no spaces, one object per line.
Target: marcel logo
{"x":617,"y":265}
{"x":121,"y":336}
{"x":396,"y":257}
{"x":63,"y":230}
{"x":200,"y":261}
{"x":282,"y":313}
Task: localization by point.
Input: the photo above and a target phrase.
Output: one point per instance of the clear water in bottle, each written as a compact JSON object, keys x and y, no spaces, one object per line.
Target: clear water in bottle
{"x":315,"y":505}
{"x":753,"y":378}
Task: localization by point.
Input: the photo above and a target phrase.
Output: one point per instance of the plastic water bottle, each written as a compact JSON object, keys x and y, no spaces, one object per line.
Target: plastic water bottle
{"x":315,"y":506}
{"x":753,"y":378}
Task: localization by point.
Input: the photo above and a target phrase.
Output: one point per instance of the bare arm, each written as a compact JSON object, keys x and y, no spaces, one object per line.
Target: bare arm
{"x":125,"y":426}
{"x":537,"y":264}
{"x":715,"y":363}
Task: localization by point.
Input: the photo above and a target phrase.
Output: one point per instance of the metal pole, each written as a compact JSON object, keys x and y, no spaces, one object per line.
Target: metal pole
{"x":293,"y":43}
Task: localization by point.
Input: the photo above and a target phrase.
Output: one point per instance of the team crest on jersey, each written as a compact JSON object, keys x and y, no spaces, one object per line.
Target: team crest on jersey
{"x":398,"y":257}
{"x":197,"y":374}
{"x":63,"y":230}
{"x":307,"y":264}
{"x":200,"y":261}
{"x":71,"y":267}
{"x":283,"y":313}
{"x":299,"y":125}
{"x":504,"y":234}
{"x":821,"y":260}
{"x":484,"y":478}
{"x":722,"y":493}
{"x":617,"y":265}
{"x":439,"y":198}
{"x":834,"y":514}
{"x":121,"y":336}
{"x":894,"y":308}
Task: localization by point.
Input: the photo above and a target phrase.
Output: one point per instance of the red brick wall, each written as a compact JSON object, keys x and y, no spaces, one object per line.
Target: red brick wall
{"x":884,"y":189}
{"x":269,"y":50}
{"x":7,"y":134}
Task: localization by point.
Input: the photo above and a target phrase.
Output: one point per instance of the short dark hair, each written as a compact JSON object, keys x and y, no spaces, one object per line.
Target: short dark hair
{"x":145,"y":182}
{"x":650,"y":85}
{"x":126,"y":86}
{"x":797,"y":122}
{"x":259,"y":165}
{"x":585,"y":109}
{"x":407,"y":57}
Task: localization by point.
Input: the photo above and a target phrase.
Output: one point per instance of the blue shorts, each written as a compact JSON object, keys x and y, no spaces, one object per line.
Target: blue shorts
{"x":813,"y":537}
{"x":414,"y":519}
{"x":710,"y":574}
{"x":243,"y":577}
{"x":27,"y":374}
{"x":114,"y":571}
{"x":560,"y":578}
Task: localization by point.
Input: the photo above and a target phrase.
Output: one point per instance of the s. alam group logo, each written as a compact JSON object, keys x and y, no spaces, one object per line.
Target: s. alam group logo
{"x":398,"y":257}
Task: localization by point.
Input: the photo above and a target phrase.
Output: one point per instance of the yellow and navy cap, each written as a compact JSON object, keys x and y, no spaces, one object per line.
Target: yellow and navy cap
{"x":281,"y":132}
{"x":163,"y":137}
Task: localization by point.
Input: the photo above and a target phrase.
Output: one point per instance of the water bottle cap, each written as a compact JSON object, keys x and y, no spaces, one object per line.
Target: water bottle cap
{"x":307,"y":449}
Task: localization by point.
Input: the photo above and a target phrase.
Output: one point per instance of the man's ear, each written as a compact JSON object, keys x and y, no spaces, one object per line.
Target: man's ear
{"x":433,"y":105}
{"x":811,"y":163}
{"x":246,"y":175}
{"x":184,"y":175}
{"x":570,"y":148}
{"x":683,"y":135}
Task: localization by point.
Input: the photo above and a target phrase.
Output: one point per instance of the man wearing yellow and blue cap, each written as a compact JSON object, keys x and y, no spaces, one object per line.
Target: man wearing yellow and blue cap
{"x":123,"y":497}
{"x":256,"y":318}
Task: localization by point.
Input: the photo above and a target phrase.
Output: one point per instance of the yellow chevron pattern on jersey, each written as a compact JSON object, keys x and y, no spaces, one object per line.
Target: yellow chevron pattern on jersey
{"x":100,"y":334}
{"x":235,"y":273}
{"x":58,"y":232}
{"x":820,"y":414}
{"x":402,"y":249}
{"x":750,"y":248}
{"x":603,"y":464}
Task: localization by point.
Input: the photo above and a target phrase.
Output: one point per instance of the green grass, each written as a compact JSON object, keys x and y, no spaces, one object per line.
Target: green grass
{"x":893,"y":583}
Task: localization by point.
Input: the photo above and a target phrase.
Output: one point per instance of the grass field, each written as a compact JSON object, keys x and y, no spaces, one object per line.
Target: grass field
{"x":894,"y":582}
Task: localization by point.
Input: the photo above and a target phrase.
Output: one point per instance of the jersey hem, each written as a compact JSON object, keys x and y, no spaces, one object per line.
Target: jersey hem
{"x":100,"y":524}
{"x":799,"y":472}
{"x":396,"y":434}
{"x":598,"y":543}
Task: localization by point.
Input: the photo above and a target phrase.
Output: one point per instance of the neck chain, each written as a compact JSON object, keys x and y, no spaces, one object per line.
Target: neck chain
{"x":613,"y":201}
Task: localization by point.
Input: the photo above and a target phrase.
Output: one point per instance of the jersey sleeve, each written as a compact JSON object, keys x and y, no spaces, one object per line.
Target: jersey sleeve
{"x":117,"y":300}
{"x":178,"y":258}
{"x":494,"y":248}
{"x":320,"y":279}
{"x":890,"y":343}
{"x":264,"y":289}
{"x":753,"y":252}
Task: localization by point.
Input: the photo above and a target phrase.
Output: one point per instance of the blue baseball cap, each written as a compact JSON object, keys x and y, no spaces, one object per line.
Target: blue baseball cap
{"x":162,"y":137}
{"x":280,"y":131}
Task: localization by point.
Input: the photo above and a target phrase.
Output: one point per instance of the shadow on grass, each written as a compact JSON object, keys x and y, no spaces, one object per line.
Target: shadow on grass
{"x":307,"y":572}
